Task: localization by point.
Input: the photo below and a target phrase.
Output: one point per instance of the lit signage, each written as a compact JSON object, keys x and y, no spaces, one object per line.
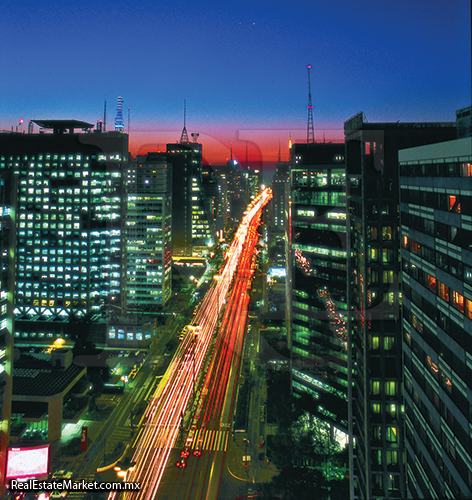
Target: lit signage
{"x":27,"y":462}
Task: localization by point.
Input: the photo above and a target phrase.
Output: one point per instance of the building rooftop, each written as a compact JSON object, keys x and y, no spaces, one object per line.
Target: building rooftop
{"x":35,"y":377}
{"x":60,"y":126}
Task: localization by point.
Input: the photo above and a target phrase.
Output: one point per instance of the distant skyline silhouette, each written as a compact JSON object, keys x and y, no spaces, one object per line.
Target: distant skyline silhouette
{"x":240,"y":67}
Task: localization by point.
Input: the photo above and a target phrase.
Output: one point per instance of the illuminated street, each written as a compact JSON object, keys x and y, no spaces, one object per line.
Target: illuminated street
{"x":206,"y":355}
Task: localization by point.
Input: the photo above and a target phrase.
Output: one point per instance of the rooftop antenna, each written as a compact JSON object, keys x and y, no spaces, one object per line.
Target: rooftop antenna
{"x":105,"y":116}
{"x":119,"y":123}
{"x":184,"y":135}
{"x":279,"y":151}
{"x":129,"y":111}
{"x":231,"y":152}
{"x":310,"y":130}
{"x":247,"y":161}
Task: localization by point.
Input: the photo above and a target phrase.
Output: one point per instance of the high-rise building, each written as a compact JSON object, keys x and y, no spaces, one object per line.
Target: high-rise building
{"x":436,"y":241}
{"x":318,"y":284}
{"x":7,"y":283}
{"x":149,"y":231}
{"x":69,"y":219}
{"x":192,"y":223}
{"x":279,"y":205}
{"x":376,"y":419}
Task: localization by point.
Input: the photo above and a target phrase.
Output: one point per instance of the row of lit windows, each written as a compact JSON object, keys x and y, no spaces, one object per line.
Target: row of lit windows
{"x":454,"y":298}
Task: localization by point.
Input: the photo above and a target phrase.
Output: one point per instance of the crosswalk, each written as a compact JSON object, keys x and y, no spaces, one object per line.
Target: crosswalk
{"x":210,"y":440}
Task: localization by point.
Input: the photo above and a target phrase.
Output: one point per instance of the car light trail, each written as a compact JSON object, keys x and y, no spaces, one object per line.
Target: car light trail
{"x":174,"y":396}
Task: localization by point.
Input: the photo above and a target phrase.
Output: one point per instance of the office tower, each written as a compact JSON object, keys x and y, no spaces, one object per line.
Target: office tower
{"x":376,"y":423}
{"x":192,"y":223}
{"x":223,"y":215}
{"x":7,"y":286}
{"x":318,"y":232}
{"x":149,"y":232}
{"x":281,"y":188}
{"x":69,"y":219}
{"x":436,"y":241}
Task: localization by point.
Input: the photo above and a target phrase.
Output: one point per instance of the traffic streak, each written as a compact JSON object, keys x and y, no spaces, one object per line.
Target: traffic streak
{"x":177,"y":392}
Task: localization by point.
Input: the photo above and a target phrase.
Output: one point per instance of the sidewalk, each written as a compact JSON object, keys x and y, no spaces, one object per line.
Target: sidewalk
{"x":257,"y":471}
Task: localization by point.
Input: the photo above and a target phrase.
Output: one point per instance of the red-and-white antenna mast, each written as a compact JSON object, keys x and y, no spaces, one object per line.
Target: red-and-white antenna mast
{"x":310,"y":129}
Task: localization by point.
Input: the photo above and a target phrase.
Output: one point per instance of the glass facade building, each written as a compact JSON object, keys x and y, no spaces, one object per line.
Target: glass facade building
{"x":318,"y":284}
{"x":69,"y":219}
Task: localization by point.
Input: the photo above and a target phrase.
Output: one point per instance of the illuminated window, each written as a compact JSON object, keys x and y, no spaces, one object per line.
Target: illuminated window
{"x":432,"y":283}
{"x":392,"y":457}
{"x":374,"y":342}
{"x":390,"y":388}
{"x":405,"y":241}
{"x":388,"y":276}
{"x":468,"y":308}
{"x":443,"y":291}
{"x":374,"y":254}
{"x":389,"y":343}
{"x":454,"y":204}
{"x":458,"y":301}
{"x":375,"y":384}
{"x":387,"y":233}
{"x":391,"y":434}
{"x":416,"y":247}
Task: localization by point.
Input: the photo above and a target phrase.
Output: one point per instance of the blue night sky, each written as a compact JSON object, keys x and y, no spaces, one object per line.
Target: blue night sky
{"x":240,"y":66}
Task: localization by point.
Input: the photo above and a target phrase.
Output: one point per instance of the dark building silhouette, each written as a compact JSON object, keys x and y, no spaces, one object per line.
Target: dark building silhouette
{"x":376,"y":420}
{"x":318,"y":279}
{"x":193,"y":228}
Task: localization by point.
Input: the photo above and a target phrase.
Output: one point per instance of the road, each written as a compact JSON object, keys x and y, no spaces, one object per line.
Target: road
{"x":193,"y":403}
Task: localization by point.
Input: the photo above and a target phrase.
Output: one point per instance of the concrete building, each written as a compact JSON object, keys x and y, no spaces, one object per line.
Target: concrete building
{"x":40,"y":388}
{"x":436,"y":241}
{"x":376,"y":418}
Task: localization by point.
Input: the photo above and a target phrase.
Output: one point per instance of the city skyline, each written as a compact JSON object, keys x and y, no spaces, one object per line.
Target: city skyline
{"x":242,"y":69}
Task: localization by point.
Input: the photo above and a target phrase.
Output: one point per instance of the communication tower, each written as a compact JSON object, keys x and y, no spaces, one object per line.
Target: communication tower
{"x":184,"y":135}
{"x":310,"y":129}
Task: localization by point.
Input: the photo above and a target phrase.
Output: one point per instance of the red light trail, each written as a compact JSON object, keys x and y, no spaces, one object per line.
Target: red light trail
{"x":191,"y":363}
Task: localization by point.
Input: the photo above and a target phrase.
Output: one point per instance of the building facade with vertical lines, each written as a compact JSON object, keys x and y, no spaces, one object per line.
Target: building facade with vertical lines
{"x":376,"y":417}
{"x":436,"y":240}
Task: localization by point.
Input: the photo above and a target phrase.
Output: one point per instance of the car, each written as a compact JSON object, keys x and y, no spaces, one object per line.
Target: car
{"x":62,"y":474}
{"x":182,"y":463}
{"x":185,"y":452}
{"x":197,"y":452}
{"x":58,"y":494}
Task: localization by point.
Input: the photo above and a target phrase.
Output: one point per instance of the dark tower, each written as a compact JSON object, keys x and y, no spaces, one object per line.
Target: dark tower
{"x":310,"y":129}
{"x":184,"y":135}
